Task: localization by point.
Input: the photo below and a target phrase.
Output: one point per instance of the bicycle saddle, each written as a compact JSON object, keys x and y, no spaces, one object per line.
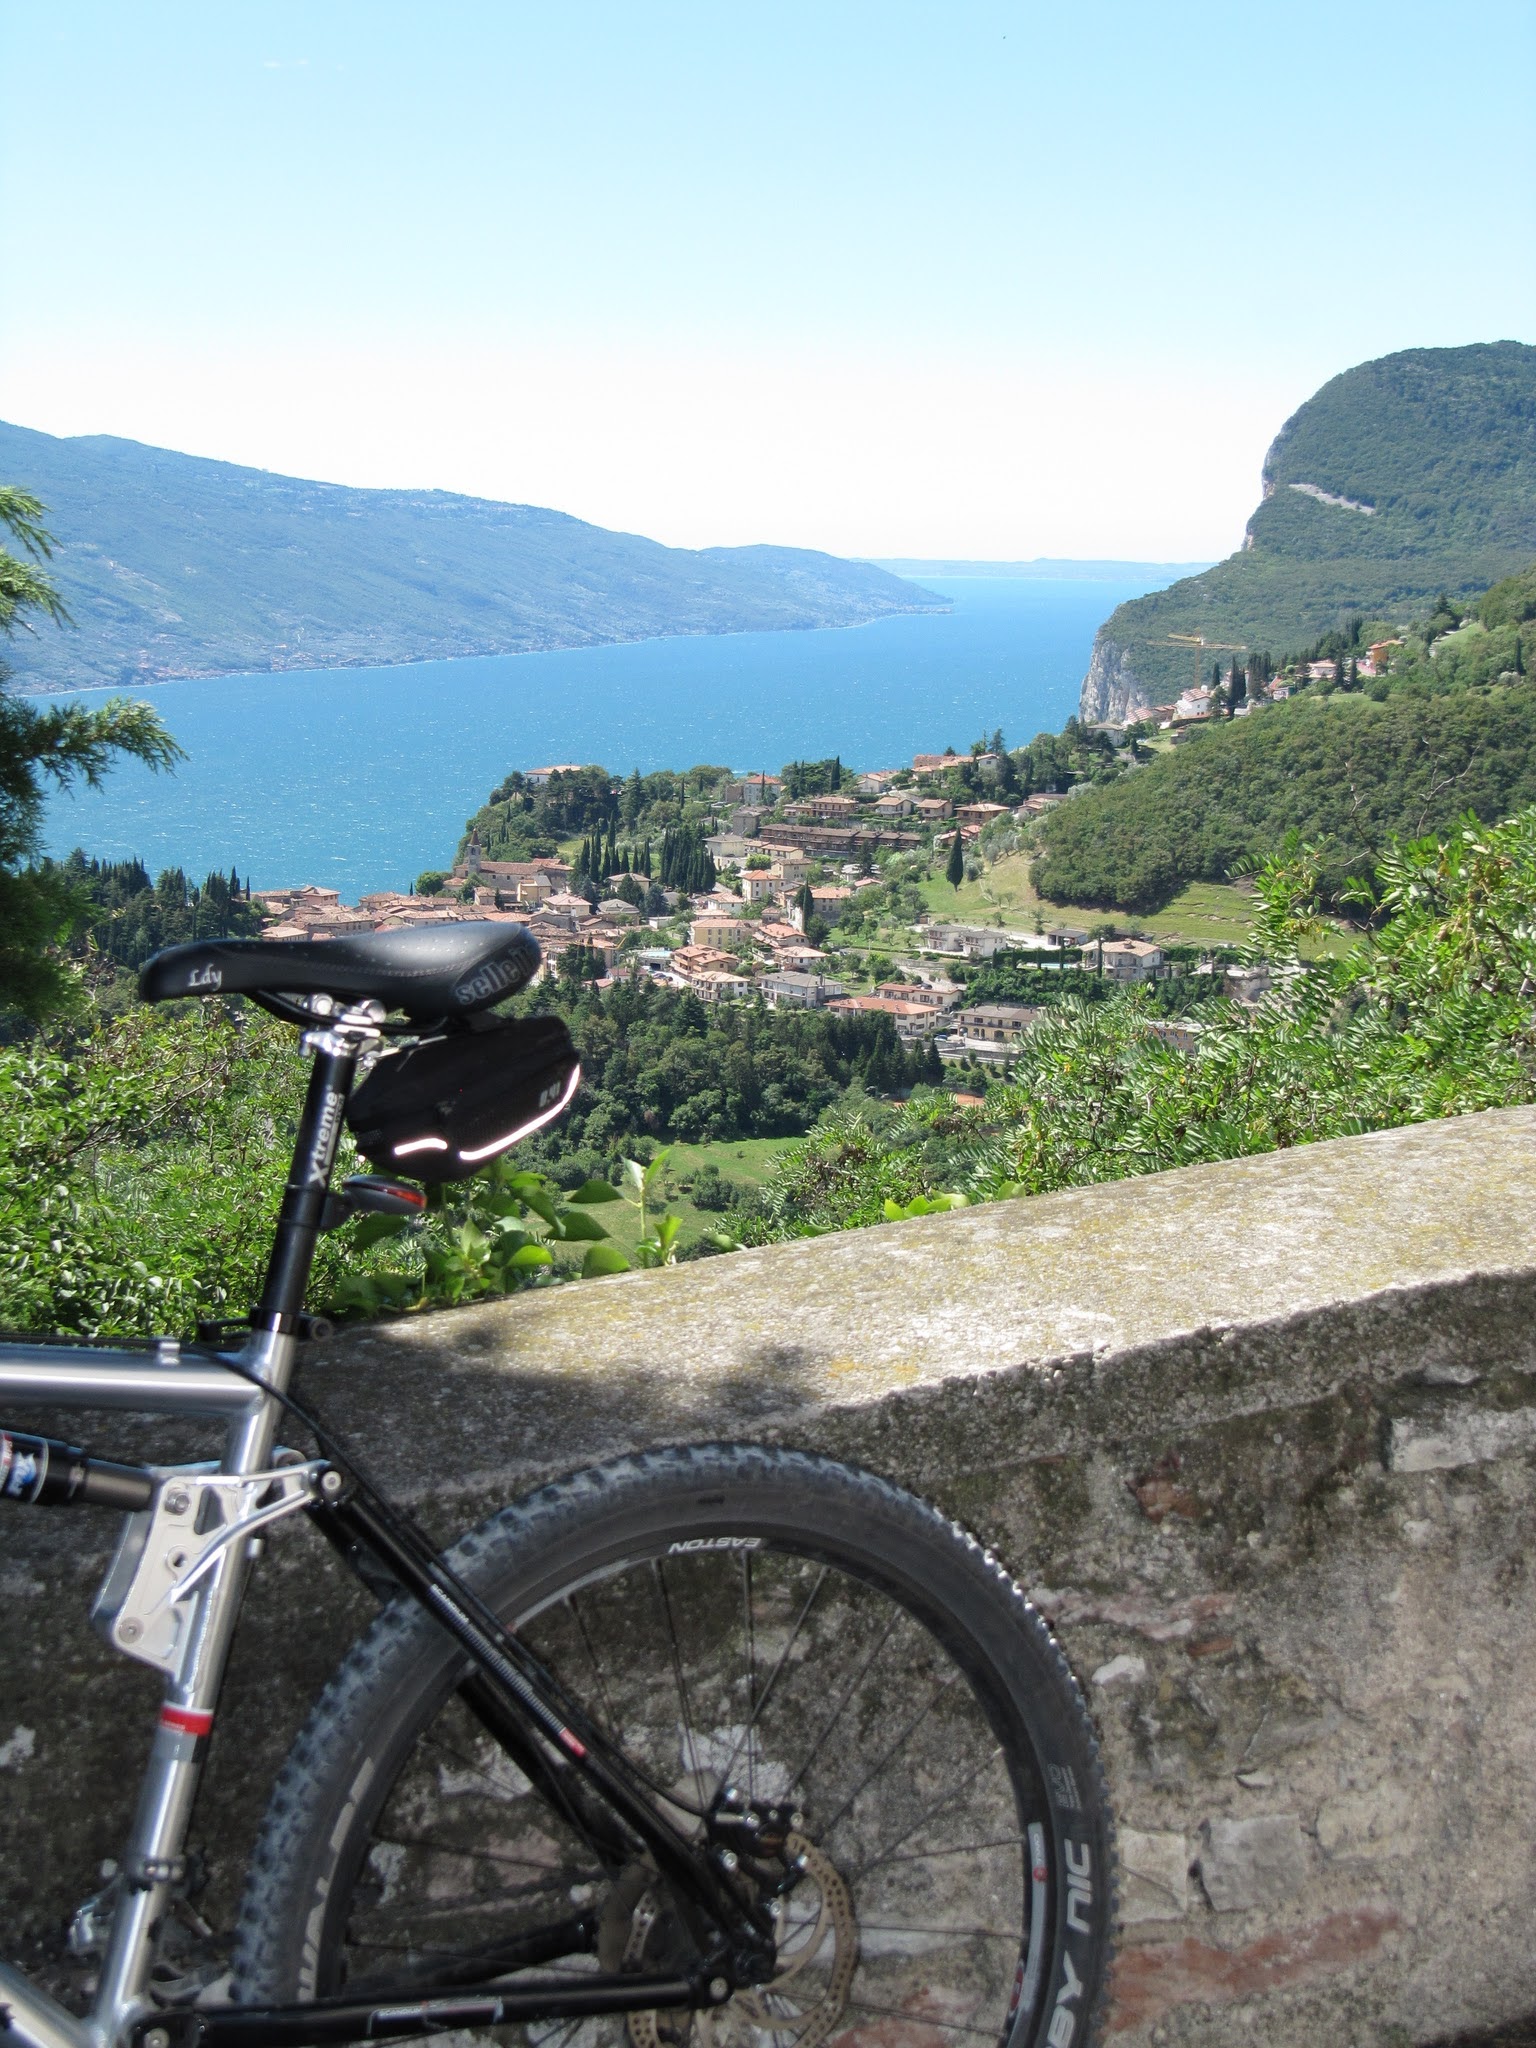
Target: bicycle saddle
{"x":445,"y":970}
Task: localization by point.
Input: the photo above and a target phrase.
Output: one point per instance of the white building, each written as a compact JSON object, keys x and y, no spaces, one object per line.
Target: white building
{"x":792,"y":991}
{"x":1128,"y":959}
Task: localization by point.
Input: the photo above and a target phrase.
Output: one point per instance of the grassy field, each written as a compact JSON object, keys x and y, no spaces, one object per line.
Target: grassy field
{"x":1213,"y":913}
{"x":748,"y":1161}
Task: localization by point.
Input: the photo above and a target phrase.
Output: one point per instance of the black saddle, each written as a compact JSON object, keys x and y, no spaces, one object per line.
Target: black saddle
{"x":433,"y":971}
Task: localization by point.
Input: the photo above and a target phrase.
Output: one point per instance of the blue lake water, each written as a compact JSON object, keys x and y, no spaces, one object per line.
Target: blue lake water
{"x":358,"y":779}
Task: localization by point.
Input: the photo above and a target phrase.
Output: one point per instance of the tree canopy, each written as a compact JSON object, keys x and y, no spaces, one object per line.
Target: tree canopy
{"x":62,"y":744}
{"x":1345,"y":771}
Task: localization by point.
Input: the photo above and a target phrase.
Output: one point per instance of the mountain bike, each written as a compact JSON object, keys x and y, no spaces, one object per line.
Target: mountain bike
{"x":714,"y":1743}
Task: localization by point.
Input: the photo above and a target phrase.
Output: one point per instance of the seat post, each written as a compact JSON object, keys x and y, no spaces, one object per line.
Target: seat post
{"x":336,"y":1050}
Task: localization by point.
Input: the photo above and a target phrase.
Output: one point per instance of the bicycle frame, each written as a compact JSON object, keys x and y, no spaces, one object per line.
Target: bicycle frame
{"x":178,"y":1608}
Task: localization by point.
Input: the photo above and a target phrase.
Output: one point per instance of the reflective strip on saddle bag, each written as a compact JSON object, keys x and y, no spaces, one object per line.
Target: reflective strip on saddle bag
{"x":443,"y":1107}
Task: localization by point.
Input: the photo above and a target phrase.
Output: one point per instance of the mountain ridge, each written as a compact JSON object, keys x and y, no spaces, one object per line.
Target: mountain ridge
{"x":177,"y":566}
{"x":1398,"y":478}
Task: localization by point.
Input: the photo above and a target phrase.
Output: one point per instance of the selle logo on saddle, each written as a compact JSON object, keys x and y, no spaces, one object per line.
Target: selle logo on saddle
{"x":488,"y":980}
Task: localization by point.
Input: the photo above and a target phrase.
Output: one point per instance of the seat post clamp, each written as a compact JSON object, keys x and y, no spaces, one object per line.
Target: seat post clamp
{"x":308,"y":1329}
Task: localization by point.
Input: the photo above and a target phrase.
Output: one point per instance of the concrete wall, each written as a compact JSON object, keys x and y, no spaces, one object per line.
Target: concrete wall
{"x":1259,"y":1436}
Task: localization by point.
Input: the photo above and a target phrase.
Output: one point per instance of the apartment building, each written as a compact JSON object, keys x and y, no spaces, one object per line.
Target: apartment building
{"x":996,"y":1023}
{"x":932,"y":996}
{"x":789,"y":990}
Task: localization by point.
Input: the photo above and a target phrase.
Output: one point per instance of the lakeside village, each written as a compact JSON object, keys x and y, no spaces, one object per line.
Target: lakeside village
{"x":784,"y":878}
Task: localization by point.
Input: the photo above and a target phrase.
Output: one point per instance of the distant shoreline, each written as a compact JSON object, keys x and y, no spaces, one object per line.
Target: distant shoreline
{"x":1045,"y":568}
{"x":21,"y":686}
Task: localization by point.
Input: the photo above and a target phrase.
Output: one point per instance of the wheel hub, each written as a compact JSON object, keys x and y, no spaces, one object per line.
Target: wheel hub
{"x":816,"y":1955}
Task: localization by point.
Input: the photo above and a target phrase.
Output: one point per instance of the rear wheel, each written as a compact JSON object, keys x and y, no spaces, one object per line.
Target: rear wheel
{"x":765,"y":1633}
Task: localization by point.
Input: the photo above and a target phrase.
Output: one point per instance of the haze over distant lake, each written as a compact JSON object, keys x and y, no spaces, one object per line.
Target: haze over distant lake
{"x":357,"y":779}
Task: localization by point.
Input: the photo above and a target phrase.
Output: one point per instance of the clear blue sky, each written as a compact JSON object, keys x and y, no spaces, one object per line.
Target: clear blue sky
{"x":993,"y":279}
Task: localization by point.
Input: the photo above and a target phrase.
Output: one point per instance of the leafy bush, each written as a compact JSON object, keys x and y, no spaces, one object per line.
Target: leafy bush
{"x":140,"y":1168}
{"x":711,"y":1191}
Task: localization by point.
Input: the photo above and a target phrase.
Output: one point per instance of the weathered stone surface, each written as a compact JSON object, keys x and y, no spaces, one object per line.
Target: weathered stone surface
{"x":1375,"y":1822}
{"x":1154,"y":1877}
{"x":1459,"y":1437}
{"x":1328,"y":1635}
{"x":1154,"y":1981}
{"x":1121,"y":1670}
{"x":1248,"y":1863}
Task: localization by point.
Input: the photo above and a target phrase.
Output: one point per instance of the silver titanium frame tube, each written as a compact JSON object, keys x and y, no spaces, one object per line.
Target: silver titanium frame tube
{"x":34,"y":2020}
{"x":66,"y":1376}
{"x":87,"y":1377}
{"x":170,"y":1778}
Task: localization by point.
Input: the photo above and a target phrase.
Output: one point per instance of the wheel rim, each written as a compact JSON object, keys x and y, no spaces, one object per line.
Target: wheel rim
{"x":923,"y":1912}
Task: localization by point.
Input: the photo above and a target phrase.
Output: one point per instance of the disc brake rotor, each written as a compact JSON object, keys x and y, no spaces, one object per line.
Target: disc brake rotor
{"x":808,"y":1991}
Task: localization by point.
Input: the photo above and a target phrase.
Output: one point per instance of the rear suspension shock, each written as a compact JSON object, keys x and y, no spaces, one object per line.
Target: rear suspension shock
{"x":41,"y":1472}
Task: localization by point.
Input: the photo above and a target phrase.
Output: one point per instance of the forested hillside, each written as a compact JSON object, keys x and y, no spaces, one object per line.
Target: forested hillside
{"x":1400,"y":478}
{"x":1450,"y":726}
{"x":520,"y":820}
{"x":176,"y":566}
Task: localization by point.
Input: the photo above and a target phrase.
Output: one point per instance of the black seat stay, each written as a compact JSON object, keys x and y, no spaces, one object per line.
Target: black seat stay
{"x":428,"y":971}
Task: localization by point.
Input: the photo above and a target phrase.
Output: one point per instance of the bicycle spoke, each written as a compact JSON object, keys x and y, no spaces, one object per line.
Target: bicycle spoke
{"x":476,"y":1769}
{"x":895,"y":1750}
{"x":840,"y":1700}
{"x":946,"y":1798}
{"x":960,"y":1849}
{"x":746,"y":1601}
{"x":597,"y":1670}
{"x":920,"y":2019}
{"x":773,"y":1677}
{"x":557,"y":1879}
{"x":969,"y":1933}
{"x":837,"y":1714}
{"x":691,"y":1763}
{"x":567,"y":2031}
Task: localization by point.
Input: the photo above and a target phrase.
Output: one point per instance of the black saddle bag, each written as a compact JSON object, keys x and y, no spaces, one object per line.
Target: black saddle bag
{"x":446,"y":1106}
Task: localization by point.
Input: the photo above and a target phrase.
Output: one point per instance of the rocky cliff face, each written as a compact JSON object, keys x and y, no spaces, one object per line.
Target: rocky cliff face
{"x":1112,"y":691}
{"x":1401,"y":477}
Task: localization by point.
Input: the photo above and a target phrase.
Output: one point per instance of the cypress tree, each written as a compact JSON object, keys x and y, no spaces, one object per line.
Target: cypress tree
{"x":954,"y":873}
